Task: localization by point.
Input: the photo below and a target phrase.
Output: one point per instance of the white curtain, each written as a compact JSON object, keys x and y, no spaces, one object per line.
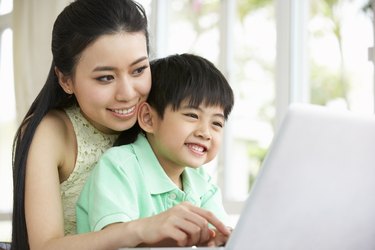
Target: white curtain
{"x":32,"y":30}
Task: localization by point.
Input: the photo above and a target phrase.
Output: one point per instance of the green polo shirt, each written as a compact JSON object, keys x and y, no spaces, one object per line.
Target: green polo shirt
{"x":128,"y":183}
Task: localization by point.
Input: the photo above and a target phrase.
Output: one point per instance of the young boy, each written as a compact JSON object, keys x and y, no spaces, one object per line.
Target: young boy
{"x":158,"y":177}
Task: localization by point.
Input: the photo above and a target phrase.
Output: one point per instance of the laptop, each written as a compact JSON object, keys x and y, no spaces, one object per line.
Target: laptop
{"x":316,"y":188}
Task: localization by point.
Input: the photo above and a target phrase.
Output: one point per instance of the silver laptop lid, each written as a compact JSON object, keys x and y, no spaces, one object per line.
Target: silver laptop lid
{"x":316,"y":189}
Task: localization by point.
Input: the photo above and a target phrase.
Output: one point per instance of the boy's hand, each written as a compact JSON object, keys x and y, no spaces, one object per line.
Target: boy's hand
{"x":184,"y":224}
{"x":217,"y":238}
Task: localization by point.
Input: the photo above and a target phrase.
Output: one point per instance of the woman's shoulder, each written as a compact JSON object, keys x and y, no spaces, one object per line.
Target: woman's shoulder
{"x":53,"y":135}
{"x":55,"y":130}
{"x":57,"y":122}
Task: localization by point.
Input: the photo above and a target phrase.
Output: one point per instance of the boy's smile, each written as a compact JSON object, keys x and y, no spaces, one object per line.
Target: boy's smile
{"x":196,"y":148}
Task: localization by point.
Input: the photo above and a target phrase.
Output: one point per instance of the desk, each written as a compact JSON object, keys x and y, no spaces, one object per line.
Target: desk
{"x":174,"y":248}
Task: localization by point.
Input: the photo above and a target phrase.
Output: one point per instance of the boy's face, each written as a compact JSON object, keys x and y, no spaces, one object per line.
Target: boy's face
{"x":187,"y":136}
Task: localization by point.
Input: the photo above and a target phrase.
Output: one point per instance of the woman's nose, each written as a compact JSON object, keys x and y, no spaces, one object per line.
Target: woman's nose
{"x":125,"y":90}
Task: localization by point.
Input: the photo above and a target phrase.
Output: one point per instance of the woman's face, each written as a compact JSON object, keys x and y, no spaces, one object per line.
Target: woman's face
{"x":111,"y":78}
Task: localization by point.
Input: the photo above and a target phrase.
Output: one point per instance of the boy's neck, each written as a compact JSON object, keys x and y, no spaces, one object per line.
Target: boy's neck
{"x":173,"y":171}
{"x":179,"y":183}
{"x":175,"y":176}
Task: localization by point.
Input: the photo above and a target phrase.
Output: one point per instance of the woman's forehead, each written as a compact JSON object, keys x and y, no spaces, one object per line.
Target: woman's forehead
{"x":118,"y":48}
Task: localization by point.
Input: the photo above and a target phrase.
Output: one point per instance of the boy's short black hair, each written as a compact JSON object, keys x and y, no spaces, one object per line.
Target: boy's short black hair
{"x":177,"y":78}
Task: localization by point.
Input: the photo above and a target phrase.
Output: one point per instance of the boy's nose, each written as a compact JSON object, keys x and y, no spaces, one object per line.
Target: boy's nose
{"x":204,"y":132}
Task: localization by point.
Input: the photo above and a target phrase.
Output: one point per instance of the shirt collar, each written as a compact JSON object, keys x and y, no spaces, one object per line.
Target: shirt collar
{"x":157,"y":180}
{"x":194,"y":182}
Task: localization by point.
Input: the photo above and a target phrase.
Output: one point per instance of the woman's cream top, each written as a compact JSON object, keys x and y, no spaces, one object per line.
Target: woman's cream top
{"x":91,"y":143}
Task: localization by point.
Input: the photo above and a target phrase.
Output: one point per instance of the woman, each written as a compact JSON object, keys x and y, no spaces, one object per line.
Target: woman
{"x":98,"y":77}
{"x":99,"y":74}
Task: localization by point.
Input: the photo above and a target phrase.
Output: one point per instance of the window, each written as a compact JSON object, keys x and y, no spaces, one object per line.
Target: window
{"x":240,"y":38}
{"x":7,"y":117}
{"x":342,"y":30}
{"x":304,"y":61}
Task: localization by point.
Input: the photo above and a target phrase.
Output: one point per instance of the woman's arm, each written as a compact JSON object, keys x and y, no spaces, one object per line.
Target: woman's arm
{"x":43,"y":209}
{"x":50,"y":156}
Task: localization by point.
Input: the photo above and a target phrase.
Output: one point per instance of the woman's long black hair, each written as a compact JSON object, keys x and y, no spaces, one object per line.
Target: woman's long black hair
{"x":77,"y":26}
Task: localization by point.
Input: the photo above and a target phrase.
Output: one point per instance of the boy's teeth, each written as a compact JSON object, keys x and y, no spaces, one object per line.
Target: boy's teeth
{"x":197,"y":148}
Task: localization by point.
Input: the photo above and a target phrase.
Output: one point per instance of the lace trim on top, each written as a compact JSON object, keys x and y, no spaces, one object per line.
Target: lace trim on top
{"x":91,"y":143}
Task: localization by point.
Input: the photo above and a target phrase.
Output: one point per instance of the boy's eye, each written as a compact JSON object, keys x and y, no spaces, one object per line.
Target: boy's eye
{"x":192,"y":115}
{"x":218,"y":124}
{"x":140,"y":70}
{"x":106,"y":78}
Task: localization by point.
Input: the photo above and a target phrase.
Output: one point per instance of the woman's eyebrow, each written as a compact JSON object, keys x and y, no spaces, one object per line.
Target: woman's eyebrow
{"x":139,"y":60}
{"x":109,"y":68}
{"x":104,"y":68}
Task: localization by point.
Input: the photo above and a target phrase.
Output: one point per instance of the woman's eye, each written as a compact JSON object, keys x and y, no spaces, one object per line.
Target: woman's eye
{"x":106,"y":78}
{"x":140,"y":70}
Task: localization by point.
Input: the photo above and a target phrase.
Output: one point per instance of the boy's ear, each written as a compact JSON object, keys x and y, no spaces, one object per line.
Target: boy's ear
{"x":146,"y":116}
{"x":64,"y":81}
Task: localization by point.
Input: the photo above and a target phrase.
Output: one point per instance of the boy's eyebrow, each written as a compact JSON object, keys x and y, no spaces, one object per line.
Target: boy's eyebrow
{"x":221,"y":115}
{"x":108,"y":68}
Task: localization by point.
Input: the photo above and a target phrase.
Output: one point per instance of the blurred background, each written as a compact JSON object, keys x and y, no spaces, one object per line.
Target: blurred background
{"x":273,"y":52}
